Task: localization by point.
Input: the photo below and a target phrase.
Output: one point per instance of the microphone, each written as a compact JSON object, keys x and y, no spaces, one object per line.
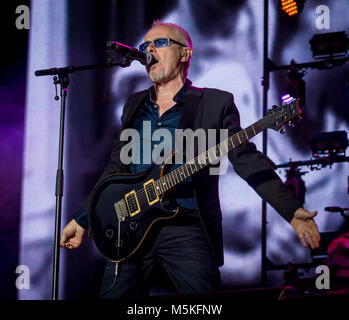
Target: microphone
{"x":335,"y":209}
{"x":132,"y":53}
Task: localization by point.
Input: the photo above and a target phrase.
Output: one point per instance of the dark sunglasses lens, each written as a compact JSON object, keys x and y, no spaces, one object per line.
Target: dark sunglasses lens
{"x":163,"y":42}
{"x":143,"y":46}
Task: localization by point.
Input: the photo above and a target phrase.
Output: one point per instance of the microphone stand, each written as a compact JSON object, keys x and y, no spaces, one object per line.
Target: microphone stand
{"x":63,"y":80}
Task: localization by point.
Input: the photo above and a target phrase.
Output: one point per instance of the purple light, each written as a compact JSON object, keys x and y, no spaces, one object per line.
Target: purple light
{"x":286,"y":98}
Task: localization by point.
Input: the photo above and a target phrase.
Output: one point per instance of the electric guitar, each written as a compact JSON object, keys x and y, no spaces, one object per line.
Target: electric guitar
{"x":123,"y":207}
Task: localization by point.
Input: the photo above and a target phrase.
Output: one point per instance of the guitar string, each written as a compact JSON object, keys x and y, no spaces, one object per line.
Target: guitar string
{"x":141,"y":193}
{"x":171,"y":175}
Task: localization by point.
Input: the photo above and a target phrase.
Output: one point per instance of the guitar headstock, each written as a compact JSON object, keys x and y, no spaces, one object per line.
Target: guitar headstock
{"x":277,"y":117}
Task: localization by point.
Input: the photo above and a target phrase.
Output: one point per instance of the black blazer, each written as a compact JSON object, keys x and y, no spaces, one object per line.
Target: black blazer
{"x":217,"y":110}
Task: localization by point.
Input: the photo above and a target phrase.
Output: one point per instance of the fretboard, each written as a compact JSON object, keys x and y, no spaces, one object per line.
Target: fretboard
{"x":186,"y":170}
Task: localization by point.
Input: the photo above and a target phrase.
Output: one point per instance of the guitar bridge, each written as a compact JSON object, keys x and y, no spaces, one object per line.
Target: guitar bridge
{"x":121,"y":210}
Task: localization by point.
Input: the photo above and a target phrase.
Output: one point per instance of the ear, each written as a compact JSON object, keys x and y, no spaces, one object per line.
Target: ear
{"x":186,"y":54}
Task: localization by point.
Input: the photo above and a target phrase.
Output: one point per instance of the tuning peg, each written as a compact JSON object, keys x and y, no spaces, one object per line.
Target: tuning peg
{"x":282,"y":130}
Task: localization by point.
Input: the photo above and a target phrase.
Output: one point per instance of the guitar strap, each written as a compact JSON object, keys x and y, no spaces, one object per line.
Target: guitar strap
{"x":191,"y":107}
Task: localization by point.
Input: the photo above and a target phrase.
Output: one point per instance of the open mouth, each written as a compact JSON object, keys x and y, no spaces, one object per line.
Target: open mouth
{"x":153,"y":62}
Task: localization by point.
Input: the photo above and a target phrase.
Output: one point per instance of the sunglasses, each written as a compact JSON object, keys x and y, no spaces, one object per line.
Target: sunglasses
{"x":159,"y":43}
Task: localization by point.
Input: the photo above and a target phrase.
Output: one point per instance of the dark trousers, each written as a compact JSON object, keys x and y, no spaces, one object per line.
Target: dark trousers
{"x":182,"y":249}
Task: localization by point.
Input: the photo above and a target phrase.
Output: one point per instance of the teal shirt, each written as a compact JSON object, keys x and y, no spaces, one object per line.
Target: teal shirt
{"x":148,"y":115}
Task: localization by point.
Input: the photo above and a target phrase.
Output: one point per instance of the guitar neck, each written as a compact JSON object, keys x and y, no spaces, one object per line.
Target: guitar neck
{"x":186,"y":170}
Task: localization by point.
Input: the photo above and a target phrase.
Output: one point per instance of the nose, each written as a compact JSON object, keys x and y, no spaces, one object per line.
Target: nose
{"x":151,"y":47}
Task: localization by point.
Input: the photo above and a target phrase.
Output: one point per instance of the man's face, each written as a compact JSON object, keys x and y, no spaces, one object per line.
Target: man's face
{"x":169,"y":58}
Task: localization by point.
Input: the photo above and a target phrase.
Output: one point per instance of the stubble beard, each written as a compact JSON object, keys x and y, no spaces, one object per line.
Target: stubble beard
{"x":156,"y":77}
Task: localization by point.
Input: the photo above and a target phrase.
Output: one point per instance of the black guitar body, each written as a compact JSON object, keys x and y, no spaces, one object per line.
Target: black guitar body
{"x":117,"y":237}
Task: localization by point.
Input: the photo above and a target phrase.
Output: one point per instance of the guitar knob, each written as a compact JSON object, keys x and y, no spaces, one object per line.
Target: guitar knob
{"x":133,"y":225}
{"x":283,"y":130}
{"x":109,"y":233}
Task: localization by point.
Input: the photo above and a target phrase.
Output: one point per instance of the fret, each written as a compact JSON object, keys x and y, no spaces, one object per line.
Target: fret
{"x":205,"y":158}
{"x":181,"y":170}
{"x":232,"y":142}
{"x":189,"y":169}
{"x":259,"y":126}
{"x":239,"y":138}
{"x":193,"y":165}
{"x":225,"y":143}
{"x":242,"y":136}
{"x":158,"y":187}
{"x":173,"y":178}
{"x":218,"y":149}
{"x":213,"y":154}
{"x":200,"y":164}
{"x":179,"y":177}
{"x":209,"y":157}
{"x":186,"y":168}
{"x":254,"y":131}
{"x":170,"y":178}
{"x":236,"y":141}
{"x":176,"y":176}
{"x":185,"y":171}
{"x":164,"y":183}
{"x":246,"y":134}
{"x":201,"y":159}
{"x":168,"y":181}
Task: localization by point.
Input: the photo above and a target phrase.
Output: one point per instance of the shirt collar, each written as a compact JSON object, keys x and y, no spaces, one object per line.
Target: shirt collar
{"x":180,"y":95}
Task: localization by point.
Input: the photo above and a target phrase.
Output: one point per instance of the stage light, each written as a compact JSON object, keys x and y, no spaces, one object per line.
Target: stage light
{"x":292,"y":7}
{"x":286,"y":98}
{"x":329,"y":45}
{"x":325,"y":144}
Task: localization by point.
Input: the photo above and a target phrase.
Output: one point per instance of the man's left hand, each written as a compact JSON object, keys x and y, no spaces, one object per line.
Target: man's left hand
{"x":305,"y":227}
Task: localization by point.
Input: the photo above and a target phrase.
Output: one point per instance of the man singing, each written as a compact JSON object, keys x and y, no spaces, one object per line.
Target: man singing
{"x":189,"y":247}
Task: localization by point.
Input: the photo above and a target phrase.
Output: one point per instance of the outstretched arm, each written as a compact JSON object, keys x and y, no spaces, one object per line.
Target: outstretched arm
{"x":255,"y":169}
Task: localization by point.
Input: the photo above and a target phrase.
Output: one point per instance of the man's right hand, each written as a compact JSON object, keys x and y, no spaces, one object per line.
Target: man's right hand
{"x":72,"y":235}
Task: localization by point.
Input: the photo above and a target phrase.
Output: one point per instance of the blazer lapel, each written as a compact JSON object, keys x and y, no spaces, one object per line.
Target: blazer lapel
{"x":191,"y":106}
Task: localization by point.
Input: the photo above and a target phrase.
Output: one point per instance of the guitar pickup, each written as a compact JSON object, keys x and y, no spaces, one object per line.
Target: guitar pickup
{"x":150,"y":192}
{"x":132,"y":203}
